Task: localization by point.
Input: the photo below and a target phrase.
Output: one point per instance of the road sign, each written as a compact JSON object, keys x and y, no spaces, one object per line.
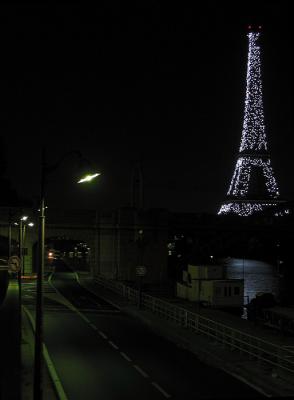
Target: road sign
{"x":14,"y":263}
{"x":141,"y":270}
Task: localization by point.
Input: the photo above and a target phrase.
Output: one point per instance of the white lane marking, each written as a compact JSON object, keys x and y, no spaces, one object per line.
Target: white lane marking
{"x":102,"y":334}
{"x":125,"y":356}
{"x":77,"y":278}
{"x":161,"y":390}
{"x":113,"y":345}
{"x":143,"y":373}
{"x":93,"y":326}
{"x":82,"y":316}
{"x":50,"y":277}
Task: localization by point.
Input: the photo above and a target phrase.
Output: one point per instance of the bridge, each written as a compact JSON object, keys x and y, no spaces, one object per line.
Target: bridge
{"x":117,"y":239}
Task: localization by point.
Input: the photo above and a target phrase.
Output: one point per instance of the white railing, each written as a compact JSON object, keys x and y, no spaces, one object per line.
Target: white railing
{"x":256,"y":348}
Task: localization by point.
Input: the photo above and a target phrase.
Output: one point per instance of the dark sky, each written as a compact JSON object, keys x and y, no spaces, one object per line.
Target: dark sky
{"x":154,"y":82}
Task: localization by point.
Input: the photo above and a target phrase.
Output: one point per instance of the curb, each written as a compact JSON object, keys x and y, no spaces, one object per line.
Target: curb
{"x":57,"y":385}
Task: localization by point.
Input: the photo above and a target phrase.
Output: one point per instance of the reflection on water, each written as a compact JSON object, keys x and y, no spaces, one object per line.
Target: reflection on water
{"x":258,"y":276}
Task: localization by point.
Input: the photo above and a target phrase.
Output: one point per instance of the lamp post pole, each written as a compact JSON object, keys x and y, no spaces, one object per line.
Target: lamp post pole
{"x":19,"y":286}
{"x":140,"y":244}
{"x":38,"y":361}
{"x":20,"y":251}
{"x":23,"y":249}
{"x":9,"y":233}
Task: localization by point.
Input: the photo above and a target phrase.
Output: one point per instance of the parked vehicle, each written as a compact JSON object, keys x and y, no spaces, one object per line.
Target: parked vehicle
{"x":264,"y":309}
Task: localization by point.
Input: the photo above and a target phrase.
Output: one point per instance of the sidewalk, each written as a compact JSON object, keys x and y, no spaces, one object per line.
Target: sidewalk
{"x":254,"y":373}
{"x":10,"y":344}
{"x":27,"y":372}
{"x":17,"y":351}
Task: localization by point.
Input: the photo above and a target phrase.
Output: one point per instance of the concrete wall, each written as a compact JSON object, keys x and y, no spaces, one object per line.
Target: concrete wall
{"x":129,"y":238}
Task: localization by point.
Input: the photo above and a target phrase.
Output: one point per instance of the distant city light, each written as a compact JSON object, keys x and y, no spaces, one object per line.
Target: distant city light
{"x":45,"y":207}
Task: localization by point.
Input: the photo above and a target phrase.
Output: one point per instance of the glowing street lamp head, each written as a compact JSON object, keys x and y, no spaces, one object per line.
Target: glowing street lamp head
{"x":88,"y":177}
{"x":24,"y":218}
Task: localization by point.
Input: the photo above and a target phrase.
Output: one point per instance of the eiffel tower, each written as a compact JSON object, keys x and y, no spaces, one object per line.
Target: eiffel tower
{"x":253,"y":186}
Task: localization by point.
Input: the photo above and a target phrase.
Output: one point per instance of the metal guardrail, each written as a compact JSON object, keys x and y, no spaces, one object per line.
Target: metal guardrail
{"x":256,"y":348}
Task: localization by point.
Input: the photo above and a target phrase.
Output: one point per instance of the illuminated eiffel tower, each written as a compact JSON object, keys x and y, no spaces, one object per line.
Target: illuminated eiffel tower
{"x":253,"y":186}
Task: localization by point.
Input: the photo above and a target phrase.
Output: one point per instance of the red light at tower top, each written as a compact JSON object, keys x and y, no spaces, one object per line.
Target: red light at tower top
{"x":254,"y":27}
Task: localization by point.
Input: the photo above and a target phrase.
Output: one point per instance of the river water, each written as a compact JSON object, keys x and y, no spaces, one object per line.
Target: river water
{"x":258,"y":276}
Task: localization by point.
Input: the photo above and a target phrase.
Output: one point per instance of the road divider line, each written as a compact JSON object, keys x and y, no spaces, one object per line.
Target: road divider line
{"x":103,"y":335}
{"x":143,"y":373}
{"x":162,"y":391}
{"x":69,"y":304}
{"x":125,"y":356}
{"x":52,"y":371}
{"x":113,"y":345}
{"x":93,"y":326}
{"x":100,"y":295}
{"x":49,"y":278}
{"x":77,"y":278}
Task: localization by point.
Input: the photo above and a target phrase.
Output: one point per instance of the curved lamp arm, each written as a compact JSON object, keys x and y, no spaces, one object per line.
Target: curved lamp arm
{"x":50,"y":168}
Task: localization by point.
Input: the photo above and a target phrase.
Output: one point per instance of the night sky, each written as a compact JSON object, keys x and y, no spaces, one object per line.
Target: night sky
{"x":154,"y":82}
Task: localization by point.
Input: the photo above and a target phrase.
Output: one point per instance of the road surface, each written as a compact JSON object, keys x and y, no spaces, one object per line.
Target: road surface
{"x":101,"y":353}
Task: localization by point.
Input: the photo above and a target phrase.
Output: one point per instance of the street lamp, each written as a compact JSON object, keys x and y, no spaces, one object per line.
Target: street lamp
{"x":88,"y":178}
{"x":45,"y":170}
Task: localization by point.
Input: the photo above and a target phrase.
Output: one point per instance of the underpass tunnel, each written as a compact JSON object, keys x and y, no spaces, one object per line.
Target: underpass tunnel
{"x":75,"y":253}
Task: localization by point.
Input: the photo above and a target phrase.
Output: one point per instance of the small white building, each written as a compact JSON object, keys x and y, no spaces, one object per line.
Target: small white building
{"x":223,"y":292}
{"x":207,"y":284}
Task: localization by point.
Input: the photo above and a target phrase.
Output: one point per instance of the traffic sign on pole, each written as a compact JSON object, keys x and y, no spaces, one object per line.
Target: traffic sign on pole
{"x":141,"y":270}
{"x":14,"y":263}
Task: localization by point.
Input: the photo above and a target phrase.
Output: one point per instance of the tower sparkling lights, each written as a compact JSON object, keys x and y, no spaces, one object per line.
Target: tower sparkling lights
{"x":253,"y":152}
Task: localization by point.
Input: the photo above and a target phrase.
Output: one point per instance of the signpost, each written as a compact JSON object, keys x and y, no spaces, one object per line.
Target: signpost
{"x":140,"y":272}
